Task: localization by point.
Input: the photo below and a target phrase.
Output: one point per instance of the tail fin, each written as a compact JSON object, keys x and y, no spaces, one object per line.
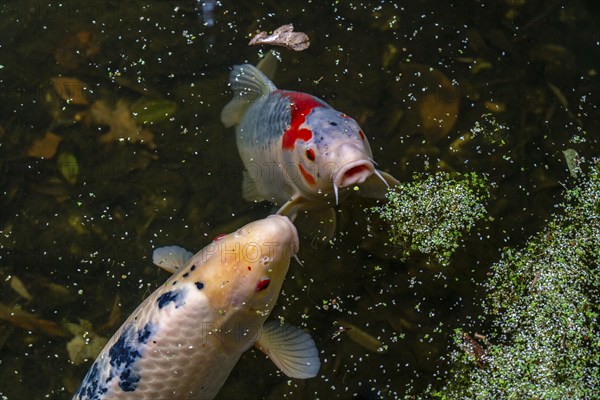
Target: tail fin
{"x":248,"y":84}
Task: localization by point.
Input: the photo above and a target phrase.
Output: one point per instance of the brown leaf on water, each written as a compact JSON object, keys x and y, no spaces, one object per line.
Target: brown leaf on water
{"x":45,"y":147}
{"x":31,"y":322}
{"x":123,"y":126}
{"x":283,"y":36}
{"x":70,"y":89}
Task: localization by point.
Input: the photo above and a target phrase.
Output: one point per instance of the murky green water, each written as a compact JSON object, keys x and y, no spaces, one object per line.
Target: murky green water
{"x":78,"y":229}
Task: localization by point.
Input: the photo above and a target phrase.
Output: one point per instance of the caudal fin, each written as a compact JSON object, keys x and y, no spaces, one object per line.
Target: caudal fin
{"x":248,"y":84}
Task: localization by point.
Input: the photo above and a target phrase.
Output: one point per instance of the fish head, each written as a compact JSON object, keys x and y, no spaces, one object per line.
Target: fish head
{"x":243,"y":271}
{"x":337,"y":155}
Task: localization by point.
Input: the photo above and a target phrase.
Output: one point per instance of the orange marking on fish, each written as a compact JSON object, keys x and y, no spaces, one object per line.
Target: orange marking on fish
{"x":301,"y":105}
{"x":307,"y":176}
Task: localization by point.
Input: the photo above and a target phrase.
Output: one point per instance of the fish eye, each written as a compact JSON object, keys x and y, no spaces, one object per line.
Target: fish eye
{"x":263,"y":284}
{"x":310,"y":154}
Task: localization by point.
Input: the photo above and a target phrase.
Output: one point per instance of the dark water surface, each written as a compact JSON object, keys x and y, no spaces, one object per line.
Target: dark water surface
{"x":77,"y":226}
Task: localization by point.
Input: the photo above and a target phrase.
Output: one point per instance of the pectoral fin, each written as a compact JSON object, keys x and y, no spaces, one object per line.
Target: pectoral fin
{"x":171,"y":258}
{"x":291,"y":208}
{"x":250,"y":190}
{"x":291,"y":349}
{"x":377,"y":185}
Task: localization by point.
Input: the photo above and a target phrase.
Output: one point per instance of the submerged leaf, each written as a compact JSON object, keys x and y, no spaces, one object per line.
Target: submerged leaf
{"x":362,"y":338}
{"x":31,"y":322}
{"x":70,"y":89}
{"x":123,"y":127}
{"x":86,"y":344}
{"x":17,"y":285}
{"x":45,"y":147}
{"x":152,"y":111}
{"x":68,"y":167}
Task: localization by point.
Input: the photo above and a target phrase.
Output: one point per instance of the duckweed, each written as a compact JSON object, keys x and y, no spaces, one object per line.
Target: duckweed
{"x":542,"y":301}
{"x":430,"y":214}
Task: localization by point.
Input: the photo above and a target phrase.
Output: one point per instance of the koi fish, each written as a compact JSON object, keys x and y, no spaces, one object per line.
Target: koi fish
{"x":298,"y":151}
{"x":183,"y":341}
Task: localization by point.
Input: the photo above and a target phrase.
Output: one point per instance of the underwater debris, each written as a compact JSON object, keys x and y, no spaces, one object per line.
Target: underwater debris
{"x":283,"y":36}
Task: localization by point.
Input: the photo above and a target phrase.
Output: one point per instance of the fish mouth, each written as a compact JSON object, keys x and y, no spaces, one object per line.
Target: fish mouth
{"x":292,"y":228}
{"x":353,"y":173}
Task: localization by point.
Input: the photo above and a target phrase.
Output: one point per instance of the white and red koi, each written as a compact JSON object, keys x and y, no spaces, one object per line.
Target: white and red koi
{"x":183,"y":341}
{"x":298,"y":151}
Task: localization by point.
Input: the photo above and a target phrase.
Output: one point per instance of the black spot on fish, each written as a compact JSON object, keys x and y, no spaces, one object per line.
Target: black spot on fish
{"x":91,"y":387}
{"x":186,"y":274}
{"x":333,"y":123}
{"x":174,"y":282}
{"x":145,"y":333}
{"x":193,"y":267}
{"x":173,"y":296}
{"x":125,"y":353}
{"x":199,"y":285}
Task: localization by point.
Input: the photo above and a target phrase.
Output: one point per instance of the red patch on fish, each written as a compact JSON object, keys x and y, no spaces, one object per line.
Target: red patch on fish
{"x":307,"y":176}
{"x":301,"y":105}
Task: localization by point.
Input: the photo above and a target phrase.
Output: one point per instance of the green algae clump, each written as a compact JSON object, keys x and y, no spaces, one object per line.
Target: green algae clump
{"x":431,"y":213}
{"x":542,"y":301}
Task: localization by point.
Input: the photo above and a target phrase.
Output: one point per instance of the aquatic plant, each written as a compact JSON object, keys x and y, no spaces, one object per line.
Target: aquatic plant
{"x":542,"y":301}
{"x":431,"y":213}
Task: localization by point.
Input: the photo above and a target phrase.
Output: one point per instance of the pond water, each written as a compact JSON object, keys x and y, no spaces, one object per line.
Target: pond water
{"x":496,"y":87}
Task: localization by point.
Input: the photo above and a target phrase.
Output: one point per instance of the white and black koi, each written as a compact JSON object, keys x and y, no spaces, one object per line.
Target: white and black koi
{"x":183,"y":341}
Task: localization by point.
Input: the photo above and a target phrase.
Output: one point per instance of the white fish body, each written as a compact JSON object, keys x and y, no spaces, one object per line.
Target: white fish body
{"x":298,"y":151}
{"x":183,"y":340}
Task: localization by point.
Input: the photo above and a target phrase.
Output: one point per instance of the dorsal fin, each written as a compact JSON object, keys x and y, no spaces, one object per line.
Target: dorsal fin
{"x":268,"y":65}
{"x":171,"y":258}
{"x":248,"y":84}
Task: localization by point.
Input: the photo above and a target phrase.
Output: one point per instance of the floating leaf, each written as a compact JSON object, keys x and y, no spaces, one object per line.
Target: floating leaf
{"x":68,"y":167}
{"x":152,"y":111}
{"x":283,"y":36}
{"x":45,"y":147}
{"x":70,"y":89}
